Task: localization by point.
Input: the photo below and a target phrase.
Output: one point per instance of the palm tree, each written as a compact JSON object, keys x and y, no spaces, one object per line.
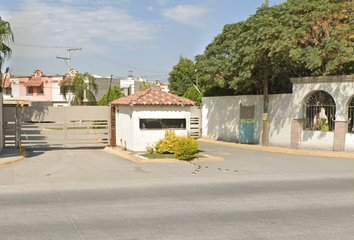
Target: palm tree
{"x":6,"y":37}
{"x":83,"y":87}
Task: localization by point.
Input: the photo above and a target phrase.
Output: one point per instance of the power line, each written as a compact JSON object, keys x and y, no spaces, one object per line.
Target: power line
{"x":115,"y":62}
{"x":20,"y":44}
{"x":91,"y":53}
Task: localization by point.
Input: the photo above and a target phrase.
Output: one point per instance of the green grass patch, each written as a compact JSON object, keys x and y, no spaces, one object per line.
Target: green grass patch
{"x":166,"y":156}
{"x":72,"y":128}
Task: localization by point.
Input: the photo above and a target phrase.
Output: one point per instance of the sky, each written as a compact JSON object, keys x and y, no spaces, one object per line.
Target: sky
{"x":115,"y":36}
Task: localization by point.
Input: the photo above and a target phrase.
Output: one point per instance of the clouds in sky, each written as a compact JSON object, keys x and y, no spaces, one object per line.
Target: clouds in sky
{"x":77,"y":23}
{"x":187,"y":14}
{"x":117,"y":29}
{"x":45,"y":23}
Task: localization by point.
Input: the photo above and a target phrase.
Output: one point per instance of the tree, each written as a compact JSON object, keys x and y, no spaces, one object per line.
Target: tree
{"x":295,"y":39}
{"x":194,"y":95}
{"x":113,"y":93}
{"x":6,"y":37}
{"x":181,"y":76}
{"x":83,"y":86}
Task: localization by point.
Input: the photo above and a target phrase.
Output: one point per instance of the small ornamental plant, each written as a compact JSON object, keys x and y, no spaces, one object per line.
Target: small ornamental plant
{"x":150,"y":149}
{"x":185,"y":148}
{"x":166,"y":145}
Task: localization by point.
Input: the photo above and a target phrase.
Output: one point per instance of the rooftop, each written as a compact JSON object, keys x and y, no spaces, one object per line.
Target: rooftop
{"x":153,"y":97}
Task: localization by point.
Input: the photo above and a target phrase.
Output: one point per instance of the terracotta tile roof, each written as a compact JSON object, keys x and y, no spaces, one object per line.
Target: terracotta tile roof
{"x":151,"y":97}
{"x":7,"y":83}
{"x":66,"y":80}
{"x":34,"y":82}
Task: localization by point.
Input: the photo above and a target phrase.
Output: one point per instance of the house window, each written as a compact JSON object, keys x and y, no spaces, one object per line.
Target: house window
{"x":162,"y":123}
{"x":29,"y":90}
{"x":40,"y":90}
{"x":8,"y":91}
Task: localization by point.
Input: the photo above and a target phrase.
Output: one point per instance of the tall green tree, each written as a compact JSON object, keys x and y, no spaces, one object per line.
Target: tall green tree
{"x":82,"y":87}
{"x":6,"y":37}
{"x":295,"y":39}
{"x":182,"y":76}
{"x":194,"y":95}
{"x":113,"y":93}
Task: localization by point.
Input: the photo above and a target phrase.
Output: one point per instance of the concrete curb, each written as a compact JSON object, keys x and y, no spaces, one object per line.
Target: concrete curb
{"x":287,"y":151}
{"x":17,"y":159}
{"x":139,"y":160}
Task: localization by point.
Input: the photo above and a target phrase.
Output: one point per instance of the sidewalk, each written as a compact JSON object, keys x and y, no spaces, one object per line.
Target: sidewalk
{"x":308,"y":152}
{"x":11,"y":155}
{"x":129,"y":155}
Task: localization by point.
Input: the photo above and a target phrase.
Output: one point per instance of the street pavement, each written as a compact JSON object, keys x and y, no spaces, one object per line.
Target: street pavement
{"x":252,"y":194}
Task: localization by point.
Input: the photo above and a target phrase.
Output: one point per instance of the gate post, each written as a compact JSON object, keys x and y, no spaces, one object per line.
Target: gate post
{"x":340,"y":129}
{"x":297,"y":125}
{"x":17,"y":128}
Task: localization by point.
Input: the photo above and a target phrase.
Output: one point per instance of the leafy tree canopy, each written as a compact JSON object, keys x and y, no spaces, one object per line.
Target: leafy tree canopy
{"x":295,"y":39}
{"x":181,"y":76}
{"x":6,"y":37}
{"x":194,"y":95}
{"x":113,"y":93}
{"x":82,"y":87}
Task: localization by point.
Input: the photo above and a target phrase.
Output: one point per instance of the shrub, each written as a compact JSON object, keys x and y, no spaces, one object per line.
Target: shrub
{"x":166,"y":145}
{"x":150,"y":149}
{"x":185,"y":148}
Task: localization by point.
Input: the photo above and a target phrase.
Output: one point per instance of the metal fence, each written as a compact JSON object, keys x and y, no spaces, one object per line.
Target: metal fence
{"x":320,"y":110}
{"x":69,"y":127}
{"x":320,"y":118}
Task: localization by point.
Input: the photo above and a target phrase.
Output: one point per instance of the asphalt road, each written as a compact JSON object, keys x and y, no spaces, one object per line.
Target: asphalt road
{"x":91,"y":194}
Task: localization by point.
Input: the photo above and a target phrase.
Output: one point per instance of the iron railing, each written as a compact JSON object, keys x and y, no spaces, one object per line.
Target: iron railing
{"x":320,"y":117}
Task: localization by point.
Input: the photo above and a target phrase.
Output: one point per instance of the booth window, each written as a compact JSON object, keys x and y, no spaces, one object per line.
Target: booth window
{"x":162,"y":123}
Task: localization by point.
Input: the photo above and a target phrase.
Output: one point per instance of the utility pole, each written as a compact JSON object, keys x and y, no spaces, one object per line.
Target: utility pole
{"x":265,"y":101}
{"x":68,"y":62}
{"x":109,"y":89}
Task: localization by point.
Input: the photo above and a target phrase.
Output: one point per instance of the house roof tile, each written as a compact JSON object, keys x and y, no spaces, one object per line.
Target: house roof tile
{"x":66,"y":81}
{"x":34,"y":82}
{"x":153,"y":97}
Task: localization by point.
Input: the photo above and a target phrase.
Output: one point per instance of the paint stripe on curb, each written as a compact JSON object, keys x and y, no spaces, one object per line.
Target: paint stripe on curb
{"x":18,"y":159}
{"x":268,"y":149}
{"x":169,"y":160}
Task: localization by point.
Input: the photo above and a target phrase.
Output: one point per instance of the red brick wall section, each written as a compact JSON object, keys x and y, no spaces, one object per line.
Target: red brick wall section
{"x":113,"y":126}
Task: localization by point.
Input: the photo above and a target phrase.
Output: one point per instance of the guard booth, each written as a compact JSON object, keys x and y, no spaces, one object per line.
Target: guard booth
{"x":246,"y":124}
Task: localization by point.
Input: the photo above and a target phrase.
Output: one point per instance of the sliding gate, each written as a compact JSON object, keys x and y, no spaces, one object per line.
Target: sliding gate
{"x":68,"y":127}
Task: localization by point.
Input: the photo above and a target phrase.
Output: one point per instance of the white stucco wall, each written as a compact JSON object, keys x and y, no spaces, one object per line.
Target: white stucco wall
{"x":56,"y":96}
{"x":124,"y":127}
{"x":281,"y":112}
{"x":221,"y":114}
{"x":341,"y":91}
{"x":349,"y":142}
{"x":317,"y":140}
{"x":137,"y":139}
{"x":15,"y":85}
{"x":221,"y":117}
